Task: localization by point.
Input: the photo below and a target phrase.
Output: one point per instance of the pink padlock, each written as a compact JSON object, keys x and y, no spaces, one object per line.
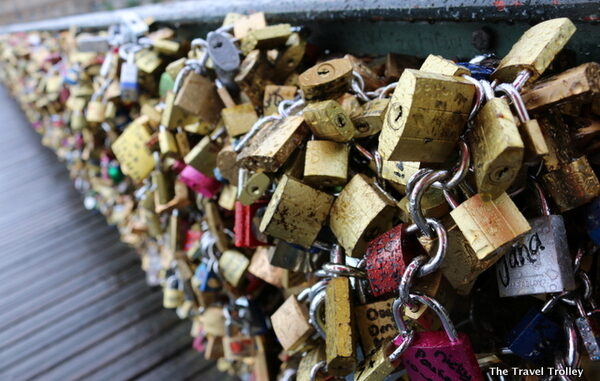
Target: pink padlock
{"x":439,"y":355}
{"x":199,"y":182}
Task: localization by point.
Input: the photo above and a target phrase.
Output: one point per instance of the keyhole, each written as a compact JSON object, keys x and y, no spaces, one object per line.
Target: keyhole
{"x":501,"y":173}
{"x":323,"y":71}
{"x":341,"y":121}
{"x":255,"y":190}
{"x":217,"y":45}
{"x":398,"y":113}
{"x":291,"y":63}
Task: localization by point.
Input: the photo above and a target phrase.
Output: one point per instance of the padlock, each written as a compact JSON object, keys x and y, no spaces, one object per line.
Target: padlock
{"x":244,"y":230}
{"x":369,"y":120}
{"x":361,"y":212}
{"x":167,"y":143}
{"x":535,"y":50}
{"x":296,"y":212}
{"x":399,"y":172}
{"x":128,"y":80}
{"x":199,"y":182}
{"x":497,"y":148}
{"x":203,"y":156}
{"x":166,"y":47}
{"x":588,"y":327}
{"x":438,"y":355}
{"x":252,"y":188}
{"x":183,"y":144}
{"x":290,"y":324}
{"x":578,"y":84}
{"x":273,"y":144}
{"x":425,"y":117}
{"x":246,"y":23}
{"x":269,"y":37}
{"x":539,"y":262}
{"x":573,"y":184}
{"x":173,"y":293}
{"x":239,"y":119}
{"x":289,"y":59}
{"x":96,"y":109}
{"x":255,"y":73}
{"x":536,"y":335}
{"x":375,"y":324}
{"x":386,"y":259}
{"x":215,"y":224}
{"x":233,"y":266}
{"x":147,"y":60}
{"x":326,"y":163}
{"x":287,"y":256}
{"x":130,"y":150}
{"x":370,"y":78}
{"x":164,"y":186}
{"x":207,"y":279}
{"x":340,"y":338}
{"x":308,"y":362}
{"x":489,"y":226}
{"x":377,"y":364}
{"x":198,"y":96}
{"x":222,"y":51}
{"x":328,"y":120}
{"x":440,"y":65}
{"x":261,"y":267}
{"x":326,"y":80}
{"x":171,"y":116}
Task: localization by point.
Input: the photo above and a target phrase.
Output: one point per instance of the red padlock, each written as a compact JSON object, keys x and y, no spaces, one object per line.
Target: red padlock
{"x":387,"y":257}
{"x":245,"y":228}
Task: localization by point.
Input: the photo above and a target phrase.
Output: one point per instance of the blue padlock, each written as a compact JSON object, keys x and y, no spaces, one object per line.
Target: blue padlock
{"x":592,"y":220}
{"x":478,"y":72}
{"x":536,"y":336}
{"x":207,"y":278}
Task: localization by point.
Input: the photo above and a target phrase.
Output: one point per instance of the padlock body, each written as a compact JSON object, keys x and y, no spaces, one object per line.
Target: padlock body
{"x":244,"y":228}
{"x":433,"y":357}
{"x":200,"y":183}
{"x":539,"y":262}
{"x":535,"y":337}
{"x":129,"y":82}
{"x":589,"y":330}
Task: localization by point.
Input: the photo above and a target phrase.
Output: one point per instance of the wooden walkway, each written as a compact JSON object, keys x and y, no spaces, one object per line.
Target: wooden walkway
{"x":73,"y":300}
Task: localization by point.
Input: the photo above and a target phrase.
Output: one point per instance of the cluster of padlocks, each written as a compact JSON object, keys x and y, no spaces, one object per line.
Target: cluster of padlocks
{"x":319,"y":215}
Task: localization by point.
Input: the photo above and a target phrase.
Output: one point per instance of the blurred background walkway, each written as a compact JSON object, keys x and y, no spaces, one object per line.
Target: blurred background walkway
{"x":73,"y":300}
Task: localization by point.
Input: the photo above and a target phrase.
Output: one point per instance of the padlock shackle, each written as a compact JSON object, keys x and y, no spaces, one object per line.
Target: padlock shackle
{"x":434,"y":305}
{"x":488,"y":91}
{"x":541,"y":196}
{"x":415,"y":189}
{"x":516,"y":100}
{"x":358,"y":86}
{"x":315,"y":311}
{"x":479,"y":95}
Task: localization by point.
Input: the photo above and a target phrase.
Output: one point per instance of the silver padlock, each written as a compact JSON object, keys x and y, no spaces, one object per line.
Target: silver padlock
{"x":225,"y":57}
{"x":129,"y":77}
{"x":92,"y":44}
{"x":539,"y":262}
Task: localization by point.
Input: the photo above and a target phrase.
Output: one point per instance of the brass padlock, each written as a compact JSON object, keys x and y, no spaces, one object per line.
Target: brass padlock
{"x":370,"y":78}
{"x":328,"y":120}
{"x":574,"y":85}
{"x":254,"y":75}
{"x":95,"y":111}
{"x":361,"y":212}
{"x":326,"y":80}
{"x":147,"y":60}
{"x":244,"y":24}
{"x":535,"y":50}
{"x":203,"y":156}
{"x":290,"y":324}
{"x":273,"y":144}
{"x":489,"y":227}
{"x":261,"y":267}
{"x":167,"y":143}
{"x":171,"y":116}
{"x":269,"y":37}
{"x":289,"y":59}
{"x":233,"y":266}
{"x":296,"y":212}
{"x":215,"y":225}
{"x":572,"y":184}
{"x":130,"y":150}
{"x":369,"y":120}
{"x":399,"y":172}
{"x":183,"y":144}
{"x":326,"y":163}
{"x":441,"y":65}
{"x":312,"y":357}
{"x":375,"y":323}
{"x":239,"y":119}
{"x":340,"y":339}
{"x":426,"y":116}
{"x":497,"y":148}
{"x":198,"y":96}
{"x":253,"y":188}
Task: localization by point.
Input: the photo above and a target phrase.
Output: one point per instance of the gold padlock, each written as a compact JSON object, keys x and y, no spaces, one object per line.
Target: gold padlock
{"x":361,"y":212}
{"x":535,"y":50}
{"x":340,"y":338}
{"x":371,"y":79}
{"x":289,"y":59}
{"x":254,"y":75}
{"x":296,"y":212}
{"x":233,"y":266}
{"x":377,"y":366}
{"x":269,"y":37}
{"x":369,"y":120}
{"x":165,"y":186}
{"x":244,"y":24}
{"x":328,"y":120}
{"x":290,"y":324}
{"x":254,"y":188}
{"x":203,"y":156}
{"x":167,"y":47}
{"x":239,"y":119}
{"x":273,"y":144}
{"x":198,"y":97}
{"x":308,"y":361}
{"x":572,"y":184}
{"x":183,"y":144}
{"x":171,"y":115}
{"x":498,"y":149}
{"x":399,"y":172}
{"x":147,"y":61}
{"x":326,"y":163}
{"x":261,"y":267}
{"x":490,"y":227}
{"x":95,"y":111}
{"x":215,"y":225}
{"x":425,"y":117}
{"x":167,"y":143}
{"x":130,"y":150}
{"x":326,"y":80}
{"x":577,"y":84}
{"x":441,"y":65}
{"x":375,"y":323}
{"x":274,"y":94}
